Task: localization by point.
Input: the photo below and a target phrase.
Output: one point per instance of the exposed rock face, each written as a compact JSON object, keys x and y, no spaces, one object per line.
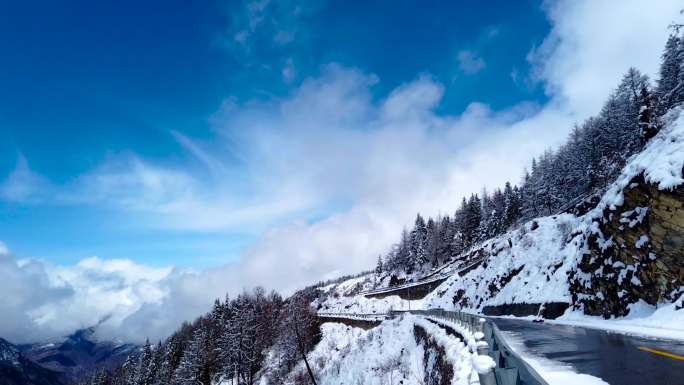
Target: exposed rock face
{"x":635,"y":251}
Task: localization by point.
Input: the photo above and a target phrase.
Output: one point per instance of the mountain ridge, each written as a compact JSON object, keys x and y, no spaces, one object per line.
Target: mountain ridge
{"x":15,"y":369}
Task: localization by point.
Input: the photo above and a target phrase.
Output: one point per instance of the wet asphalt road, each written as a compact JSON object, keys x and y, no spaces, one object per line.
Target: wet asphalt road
{"x":615,"y":358}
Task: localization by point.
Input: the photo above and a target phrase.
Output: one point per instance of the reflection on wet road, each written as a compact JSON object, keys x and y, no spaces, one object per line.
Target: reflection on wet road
{"x":615,"y":358}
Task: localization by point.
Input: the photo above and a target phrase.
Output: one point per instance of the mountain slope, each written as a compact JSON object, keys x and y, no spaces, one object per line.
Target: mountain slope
{"x":626,"y":250}
{"x":79,"y":354}
{"x":625,"y":253}
{"x":15,"y":369}
{"x":635,"y":235}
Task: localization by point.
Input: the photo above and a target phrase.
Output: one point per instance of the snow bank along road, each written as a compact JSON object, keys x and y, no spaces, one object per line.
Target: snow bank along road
{"x":618,"y":359}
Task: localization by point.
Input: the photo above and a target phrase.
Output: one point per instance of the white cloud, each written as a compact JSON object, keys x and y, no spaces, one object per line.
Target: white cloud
{"x":593,"y":43}
{"x":331,"y":150}
{"x":26,"y":288}
{"x":44,"y":302}
{"x":22,"y":184}
{"x":130,"y":182}
{"x":470,"y":62}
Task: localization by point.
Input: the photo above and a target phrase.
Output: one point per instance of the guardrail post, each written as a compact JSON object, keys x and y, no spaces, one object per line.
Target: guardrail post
{"x":488,"y":378}
{"x":480,"y":325}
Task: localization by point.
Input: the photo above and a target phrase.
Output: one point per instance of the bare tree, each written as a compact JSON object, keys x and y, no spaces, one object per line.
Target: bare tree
{"x":301,"y":330}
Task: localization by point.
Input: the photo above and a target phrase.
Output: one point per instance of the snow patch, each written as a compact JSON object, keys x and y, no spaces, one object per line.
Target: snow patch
{"x":641,"y":241}
{"x":662,"y":321}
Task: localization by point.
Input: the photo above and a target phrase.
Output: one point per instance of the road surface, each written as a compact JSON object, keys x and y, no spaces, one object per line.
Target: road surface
{"x":615,"y":358}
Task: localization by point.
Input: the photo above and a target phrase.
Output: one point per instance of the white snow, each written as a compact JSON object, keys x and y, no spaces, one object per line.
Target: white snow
{"x":387,"y":354}
{"x":641,"y":241}
{"x":354,"y":316}
{"x":483,"y":364}
{"x":361,"y":305}
{"x":663,"y":321}
{"x":543,"y":257}
{"x":459,"y":353}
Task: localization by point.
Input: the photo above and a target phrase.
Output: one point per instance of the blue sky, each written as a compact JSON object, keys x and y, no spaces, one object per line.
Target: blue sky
{"x":84,"y":82}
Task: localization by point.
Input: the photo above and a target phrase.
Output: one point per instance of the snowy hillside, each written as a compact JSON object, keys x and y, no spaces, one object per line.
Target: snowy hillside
{"x":536,"y":263}
{"x":528,"y":265}
{"x":388,"y":353}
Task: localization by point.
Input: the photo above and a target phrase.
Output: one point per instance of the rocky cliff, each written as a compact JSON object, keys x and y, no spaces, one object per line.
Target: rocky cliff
{"x":635,"y":252}
{"x":634,"y":238}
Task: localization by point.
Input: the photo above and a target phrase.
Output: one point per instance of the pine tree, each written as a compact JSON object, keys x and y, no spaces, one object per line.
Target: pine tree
{"x":166,"y":368}
{"x":648,"y":127}
{"x":379,"y":267}
{"x":189,"y":371}
{"x":403,"y":253}
{"x":670,"y":68}
{"x":472,"y":218}
{"x":432,"y":242}
{"x":446,"y":236}
{"x":497,"y":216}
{"x":511,"y":206}
{"x":128,"y":371}
{"x":418,"y":245}
{"x":144,"y":360}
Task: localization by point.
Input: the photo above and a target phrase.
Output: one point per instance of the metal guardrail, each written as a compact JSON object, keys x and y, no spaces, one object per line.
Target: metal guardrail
{"x":357,"y":316}
{"x":423,"y":281}
{"x":474,"y":326}
{"x":406,"y":285}
{"x":511,"y":369}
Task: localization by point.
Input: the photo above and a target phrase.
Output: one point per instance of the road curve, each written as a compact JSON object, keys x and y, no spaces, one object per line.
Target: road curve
{"x":618,"y":359}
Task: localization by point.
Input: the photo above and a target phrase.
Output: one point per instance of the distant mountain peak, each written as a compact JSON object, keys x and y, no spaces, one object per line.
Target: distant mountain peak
{"x":79,"y":354}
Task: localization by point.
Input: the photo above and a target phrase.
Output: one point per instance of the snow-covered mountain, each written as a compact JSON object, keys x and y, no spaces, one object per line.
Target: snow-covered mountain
{"x":15,"y":369}
{"x":78,"y":354}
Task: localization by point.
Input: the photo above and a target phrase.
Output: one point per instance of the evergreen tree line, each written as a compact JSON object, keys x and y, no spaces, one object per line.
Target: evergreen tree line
{"x":589,"y":160}
{"x":231,"y":342}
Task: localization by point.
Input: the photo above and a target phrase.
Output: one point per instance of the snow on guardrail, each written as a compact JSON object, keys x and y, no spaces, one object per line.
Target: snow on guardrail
{"x":356,"y":316}
{"x":495,"y":362}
